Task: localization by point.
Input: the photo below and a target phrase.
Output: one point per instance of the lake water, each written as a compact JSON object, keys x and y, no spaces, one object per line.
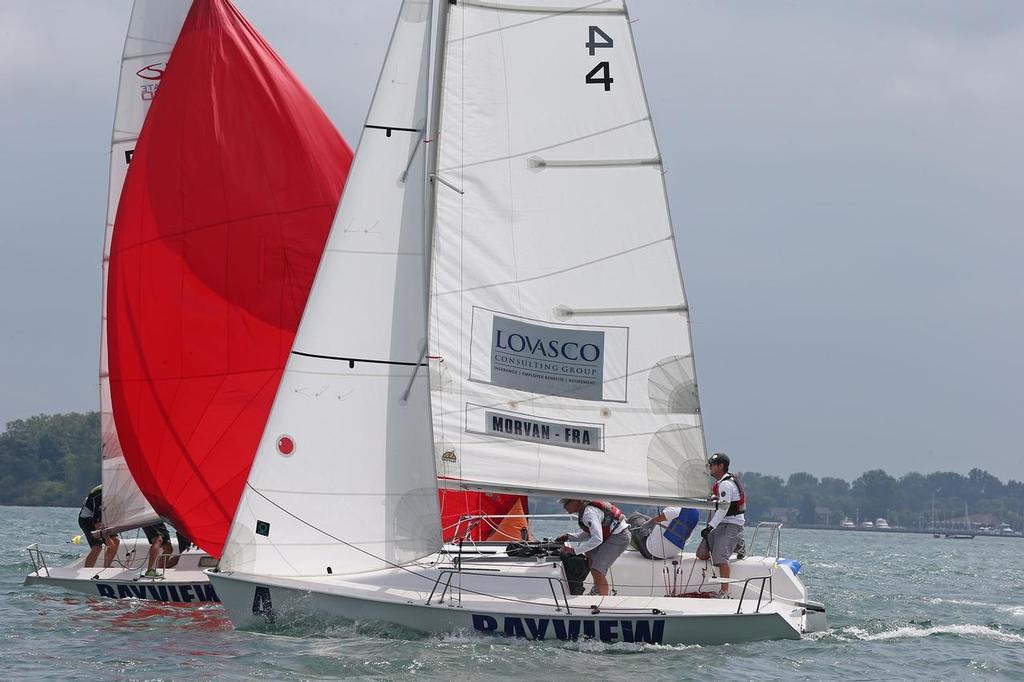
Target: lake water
{"x":900,"y":606}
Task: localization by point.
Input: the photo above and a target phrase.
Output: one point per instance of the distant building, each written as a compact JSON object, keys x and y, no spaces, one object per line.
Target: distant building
{"x":783,"y":514}
{"x":975,"y":521}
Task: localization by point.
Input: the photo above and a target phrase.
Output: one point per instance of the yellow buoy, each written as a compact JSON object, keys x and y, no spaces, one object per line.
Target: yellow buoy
{"x":77,"y":540}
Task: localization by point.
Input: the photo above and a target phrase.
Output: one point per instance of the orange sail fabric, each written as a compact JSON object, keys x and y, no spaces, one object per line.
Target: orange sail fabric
{"x":456,"y":504}
{"x":224,"y":214}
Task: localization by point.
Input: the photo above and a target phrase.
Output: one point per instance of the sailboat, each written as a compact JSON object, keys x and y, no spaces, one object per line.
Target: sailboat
{"x":152,"y":32}
{"x":499,"y":308}
{"x":208,"y":258}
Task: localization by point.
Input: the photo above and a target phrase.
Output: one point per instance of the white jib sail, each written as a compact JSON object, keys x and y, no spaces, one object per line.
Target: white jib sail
{"x":343,"y":479}
{"x":152,"y":31}
{"x":557,"y":306}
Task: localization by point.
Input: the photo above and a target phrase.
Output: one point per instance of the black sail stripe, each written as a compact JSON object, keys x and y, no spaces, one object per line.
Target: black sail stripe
{"x":354,"y":360}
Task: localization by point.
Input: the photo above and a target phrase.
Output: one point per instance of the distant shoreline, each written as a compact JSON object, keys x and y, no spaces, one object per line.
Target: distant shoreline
{"x":940,"y":531}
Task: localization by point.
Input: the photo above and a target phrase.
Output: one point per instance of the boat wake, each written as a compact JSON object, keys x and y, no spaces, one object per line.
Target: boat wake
{"x":912,"y":631}
{"x":1015,"y":610}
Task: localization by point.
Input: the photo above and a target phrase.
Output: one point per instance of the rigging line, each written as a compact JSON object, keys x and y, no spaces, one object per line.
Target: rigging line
{"x":549,"y":13}
{"x":354,"y":360}
{"x":561,"y":271}
{"x":415,"y":373}
{"x":412,"y":157}
{"x":391,"y":563}
{"x":545,"y":148}
{"x":196,"y":228}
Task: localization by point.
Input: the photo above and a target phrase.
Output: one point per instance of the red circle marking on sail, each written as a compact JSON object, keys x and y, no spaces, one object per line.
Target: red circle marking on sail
{"x":286,"y":445}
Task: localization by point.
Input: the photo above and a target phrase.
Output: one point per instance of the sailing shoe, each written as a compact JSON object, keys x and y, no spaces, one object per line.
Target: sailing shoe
{"x":593,"y":592}
{"x":722,"y":595}
{"x":151,"y":573}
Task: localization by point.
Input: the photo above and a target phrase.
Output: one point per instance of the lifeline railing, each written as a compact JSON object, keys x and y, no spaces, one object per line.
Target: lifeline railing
{"x":451,"y":573}
{"x":38,"y":560}
{"x":774,"y":538}
{"x":760,"y":595}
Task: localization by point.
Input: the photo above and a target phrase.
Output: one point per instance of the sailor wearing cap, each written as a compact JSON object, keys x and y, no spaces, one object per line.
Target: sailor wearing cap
{"x":603,"y":536}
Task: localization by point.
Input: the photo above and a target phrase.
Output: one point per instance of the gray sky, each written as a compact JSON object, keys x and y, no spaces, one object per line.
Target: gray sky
{"x":845,"y":181}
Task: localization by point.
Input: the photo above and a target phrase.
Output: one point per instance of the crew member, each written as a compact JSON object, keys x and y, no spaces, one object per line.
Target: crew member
{"x":724,"y":528}
{"x":603,"y":536}
{"x":663,"y":536}
{"x":90,"y":519}
{"x":159,"y":543}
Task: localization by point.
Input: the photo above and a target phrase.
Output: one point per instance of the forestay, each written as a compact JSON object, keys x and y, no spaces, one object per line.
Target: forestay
{"x":558,"y":312}
{"x":152,"y":31}
{"x":343,"y":479}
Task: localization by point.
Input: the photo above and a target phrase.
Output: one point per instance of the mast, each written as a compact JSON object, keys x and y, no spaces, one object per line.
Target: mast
{"x":436,"y":79}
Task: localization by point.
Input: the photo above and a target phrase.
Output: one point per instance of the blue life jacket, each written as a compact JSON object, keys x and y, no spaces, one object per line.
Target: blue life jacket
{"x":680,"y":528}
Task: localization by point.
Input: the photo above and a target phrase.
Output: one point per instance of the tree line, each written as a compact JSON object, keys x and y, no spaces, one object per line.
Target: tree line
{"x":905,"y":501}
{"x":50,"y":459}
{"x":53,"y":460}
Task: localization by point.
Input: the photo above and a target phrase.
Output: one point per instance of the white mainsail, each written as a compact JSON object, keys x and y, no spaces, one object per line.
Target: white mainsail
{"x":152,"y":31}
{"x":343,"y":480}
{"x":557,"y":306}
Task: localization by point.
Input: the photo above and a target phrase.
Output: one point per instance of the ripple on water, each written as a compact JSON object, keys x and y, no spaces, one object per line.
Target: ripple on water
{"x":940,"y":624}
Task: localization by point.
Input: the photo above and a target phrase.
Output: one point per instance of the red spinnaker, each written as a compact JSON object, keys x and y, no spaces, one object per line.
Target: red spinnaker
{"x":223,"y":217}
{"x":456,"y":504}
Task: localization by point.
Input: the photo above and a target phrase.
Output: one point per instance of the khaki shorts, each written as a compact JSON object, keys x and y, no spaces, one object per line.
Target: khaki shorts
{"x":723,"y":542}
{"x":604,"y":555}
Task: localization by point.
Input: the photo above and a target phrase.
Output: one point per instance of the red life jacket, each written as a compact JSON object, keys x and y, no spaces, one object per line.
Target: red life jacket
{"x":612,"y":517}
{"x":739,"y":506}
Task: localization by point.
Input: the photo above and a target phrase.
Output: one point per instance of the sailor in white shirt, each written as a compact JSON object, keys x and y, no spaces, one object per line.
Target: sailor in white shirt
{"x":725,"y":527}
{"x":603,"y":536}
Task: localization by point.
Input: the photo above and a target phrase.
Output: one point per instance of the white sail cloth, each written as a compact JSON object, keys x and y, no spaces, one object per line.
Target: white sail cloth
{"x":152,"y":31}
{"x":557,"y":309}
{"x":343,"y":480}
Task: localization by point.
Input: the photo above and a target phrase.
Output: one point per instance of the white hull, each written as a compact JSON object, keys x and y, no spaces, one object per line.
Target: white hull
{"x":185,"y":583}
{"x":526,"y":607}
